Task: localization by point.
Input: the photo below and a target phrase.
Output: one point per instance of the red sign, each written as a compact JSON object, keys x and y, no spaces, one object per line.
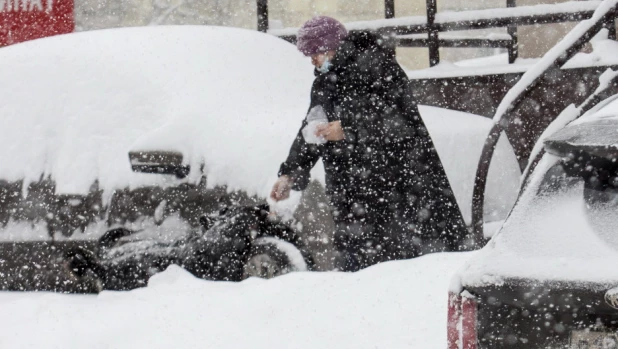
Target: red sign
{"x":22,"y":20}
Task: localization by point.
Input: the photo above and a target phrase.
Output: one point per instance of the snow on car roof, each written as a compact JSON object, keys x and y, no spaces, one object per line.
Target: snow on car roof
{"x":72,"y":106}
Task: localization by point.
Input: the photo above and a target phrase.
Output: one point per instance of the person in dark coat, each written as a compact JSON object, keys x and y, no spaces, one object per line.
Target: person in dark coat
{"x":389,"y":194}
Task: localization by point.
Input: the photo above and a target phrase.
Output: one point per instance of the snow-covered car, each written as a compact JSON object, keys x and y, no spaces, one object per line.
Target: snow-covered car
{"x":73,"y":106}
{"x":548,"y":278}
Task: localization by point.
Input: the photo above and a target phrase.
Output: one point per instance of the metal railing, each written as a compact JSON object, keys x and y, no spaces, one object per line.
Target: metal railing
{"x":433,"y":23}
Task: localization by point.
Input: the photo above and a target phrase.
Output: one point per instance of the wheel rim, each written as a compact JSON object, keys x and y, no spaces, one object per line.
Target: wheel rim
{"x":262,"y":266}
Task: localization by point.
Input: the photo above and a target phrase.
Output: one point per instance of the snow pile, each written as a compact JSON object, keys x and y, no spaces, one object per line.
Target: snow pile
{"x":72,"y":106}
{"x":392,"y":305}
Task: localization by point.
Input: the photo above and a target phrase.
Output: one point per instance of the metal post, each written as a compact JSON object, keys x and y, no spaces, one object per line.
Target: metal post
{"x":262,"y":15}
{"x":389,"y":8}
{"x":611,"y":27}
{"x":432,"y":43}
{"x":389,"y":37}
{"x":512,"y":31}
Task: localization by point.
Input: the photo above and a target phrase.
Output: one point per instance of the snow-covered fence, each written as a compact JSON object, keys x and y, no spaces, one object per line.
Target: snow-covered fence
{"x":407,"y":29}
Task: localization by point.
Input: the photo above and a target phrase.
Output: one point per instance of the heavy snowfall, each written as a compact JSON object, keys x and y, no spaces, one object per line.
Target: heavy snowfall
{"x":308,"y":174}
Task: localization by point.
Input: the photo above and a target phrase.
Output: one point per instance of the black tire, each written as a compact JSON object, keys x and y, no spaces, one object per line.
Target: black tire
{"x":111,"y":237}
{"x":267,"y":260}
{"x":83,"y":265}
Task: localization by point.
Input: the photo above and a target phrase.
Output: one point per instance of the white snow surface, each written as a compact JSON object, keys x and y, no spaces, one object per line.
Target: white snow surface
{"x":604,"y":53}
{"x":399,"y":304}
{"x":72,"y":106}
{"x":497,"y":64}
{"x":458,"y":36}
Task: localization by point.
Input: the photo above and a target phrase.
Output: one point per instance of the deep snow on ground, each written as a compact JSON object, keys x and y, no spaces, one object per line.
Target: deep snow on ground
{"x":392,"y":305}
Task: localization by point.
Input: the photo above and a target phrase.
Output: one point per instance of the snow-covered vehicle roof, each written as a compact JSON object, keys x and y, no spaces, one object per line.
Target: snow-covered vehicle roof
{"x":72,"y":106}
{"x":563,"y":227}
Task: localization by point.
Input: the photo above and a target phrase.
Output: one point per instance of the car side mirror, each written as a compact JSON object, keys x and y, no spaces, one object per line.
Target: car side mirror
{"x":159,"y":162}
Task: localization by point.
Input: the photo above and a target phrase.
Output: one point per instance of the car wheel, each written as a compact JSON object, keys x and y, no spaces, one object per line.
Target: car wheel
{"x":271,"y":257}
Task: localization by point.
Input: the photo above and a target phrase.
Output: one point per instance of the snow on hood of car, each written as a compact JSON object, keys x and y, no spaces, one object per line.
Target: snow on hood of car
{"x":72,"y":106}
{"x":550,"y":240}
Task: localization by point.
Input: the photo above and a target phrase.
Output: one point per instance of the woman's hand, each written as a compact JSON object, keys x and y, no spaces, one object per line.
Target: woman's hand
{"x":281,"y":189}
{"x":331,"y":131}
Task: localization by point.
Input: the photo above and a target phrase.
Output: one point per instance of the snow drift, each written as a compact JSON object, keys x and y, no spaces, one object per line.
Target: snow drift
{"x":391,"y":305}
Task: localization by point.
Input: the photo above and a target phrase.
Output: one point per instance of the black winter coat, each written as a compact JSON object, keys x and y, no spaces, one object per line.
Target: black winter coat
{"x":385,"y":178}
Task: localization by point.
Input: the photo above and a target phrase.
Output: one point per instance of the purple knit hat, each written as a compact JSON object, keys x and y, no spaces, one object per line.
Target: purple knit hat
{"x":320,"y":34}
